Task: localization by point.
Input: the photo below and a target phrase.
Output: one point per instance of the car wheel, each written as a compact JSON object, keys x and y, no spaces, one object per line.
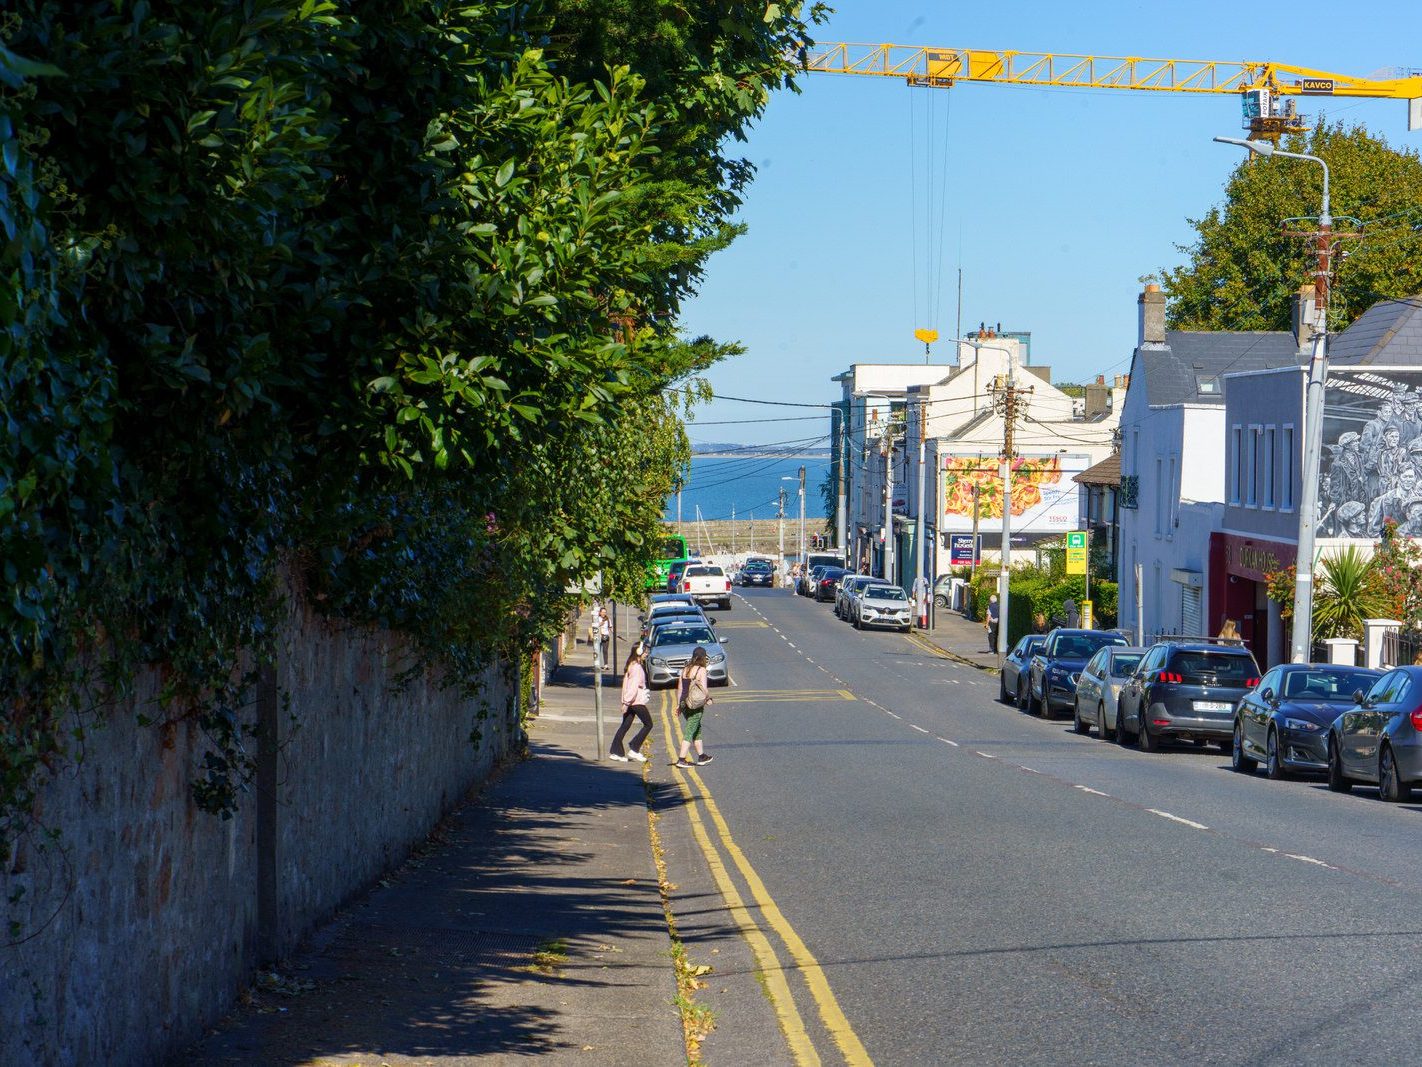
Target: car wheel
{"x":1002,"y":689}
{"x":858,"y":623}
{"x":1273,"y":764}
{"x":1032,"y":706}
{"x":1145,"y":741}
{"x":1043,"y":706}
{"x":940,"y":602}
{"x":1337,"y":781}
{"x":1076,"y":723}
{"x":1238,"y":761}
{"x":1101,"y":721}
{"x":906,"y":629}
{"x":1123,"y":736}
{"x":726,"y":604}
{"x":1391,"y":787}
{"x":1020,"y":697}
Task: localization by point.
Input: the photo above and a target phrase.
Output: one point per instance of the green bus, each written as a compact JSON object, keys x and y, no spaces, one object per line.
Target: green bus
{"x":671,"y":550}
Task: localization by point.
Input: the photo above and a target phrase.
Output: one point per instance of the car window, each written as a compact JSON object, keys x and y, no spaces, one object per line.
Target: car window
{"x":1123,"y":663}
{"x":1337,"y":686}
{"x":679,"y":634}
{"x":1079,"y":646}
{"x":1095,"y":663}
{"x":1199,"y":667}
{"x":1273,"y":680}
{"x":1035,"y":643}
{"x":1154,"y":658}
{"x":885,"y":592}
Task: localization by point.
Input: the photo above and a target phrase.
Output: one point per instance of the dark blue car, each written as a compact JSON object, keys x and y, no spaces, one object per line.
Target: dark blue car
{"x":1053,"y":672}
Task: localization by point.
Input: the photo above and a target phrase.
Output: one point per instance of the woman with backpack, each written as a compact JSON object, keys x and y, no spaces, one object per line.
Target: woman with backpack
{"x":635,"y":698}
{"x":695,"y":695}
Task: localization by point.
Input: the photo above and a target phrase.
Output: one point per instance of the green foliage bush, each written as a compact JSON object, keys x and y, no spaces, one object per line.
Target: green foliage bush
{"x":1033,"y":590}
{"x":381,"y":294}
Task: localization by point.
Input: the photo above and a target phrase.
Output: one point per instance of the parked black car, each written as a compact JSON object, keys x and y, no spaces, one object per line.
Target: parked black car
{"x":1283,"y":722}
{"x":827,"y":583}
{"x":1014,"y":667}
{"x":1379,"y":739}
{"x":1187,"y":690}
{"x":1053,"y":671}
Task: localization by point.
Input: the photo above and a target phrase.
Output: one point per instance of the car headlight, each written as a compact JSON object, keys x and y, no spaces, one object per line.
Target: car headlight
{"x":1302,"y":724}
{"x":657,"y":661}
{"x":719,"y":657}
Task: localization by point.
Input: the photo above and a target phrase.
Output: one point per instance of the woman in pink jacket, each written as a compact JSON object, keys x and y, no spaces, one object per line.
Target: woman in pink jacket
{"x":635,"y":698}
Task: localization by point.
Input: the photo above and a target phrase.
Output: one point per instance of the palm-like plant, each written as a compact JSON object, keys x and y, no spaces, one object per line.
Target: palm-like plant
{"x":1346,"y":593}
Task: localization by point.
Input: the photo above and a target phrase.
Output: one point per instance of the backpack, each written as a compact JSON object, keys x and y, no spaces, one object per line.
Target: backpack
{"x":693,"y":693}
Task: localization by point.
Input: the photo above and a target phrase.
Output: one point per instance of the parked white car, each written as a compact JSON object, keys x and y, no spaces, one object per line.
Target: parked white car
{"x":883,"y":606}
{"x":706,"y":583}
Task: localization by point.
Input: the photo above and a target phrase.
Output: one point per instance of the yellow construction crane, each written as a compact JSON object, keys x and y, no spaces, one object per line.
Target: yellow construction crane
{"x":1265,"y":89}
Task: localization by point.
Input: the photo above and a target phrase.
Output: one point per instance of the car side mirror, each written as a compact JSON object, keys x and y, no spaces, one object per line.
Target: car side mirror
{"x":724,"y":640}
{"x":1358,"y":696}
{"x":1267,"y":696}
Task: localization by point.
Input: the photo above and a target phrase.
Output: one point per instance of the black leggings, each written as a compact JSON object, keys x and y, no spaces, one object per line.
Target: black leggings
{"x":641,"y":712}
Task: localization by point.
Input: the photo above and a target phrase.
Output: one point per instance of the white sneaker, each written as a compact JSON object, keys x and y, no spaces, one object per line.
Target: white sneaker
{"x":632,"y":753}
{"x":615,"y":756}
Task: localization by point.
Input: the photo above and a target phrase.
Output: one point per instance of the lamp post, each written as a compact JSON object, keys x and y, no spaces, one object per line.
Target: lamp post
{"x":1003,"y":579}
{"x":1302,"y":637}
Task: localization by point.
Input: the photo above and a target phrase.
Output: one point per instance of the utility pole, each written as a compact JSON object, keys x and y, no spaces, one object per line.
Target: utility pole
{"x":841,"y":526}
{"x":977,"y":493}
{"x":921,"y":583}
{"x":803,"y":558}
{"x":779,"y":563}
{"x":733,"y":529}
{"x":887,"y":532}
{"x":1007,"y":395}
{"x":1323,"y":238}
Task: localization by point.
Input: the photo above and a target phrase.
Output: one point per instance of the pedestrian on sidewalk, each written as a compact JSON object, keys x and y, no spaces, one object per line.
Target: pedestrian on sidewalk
{"x":635,"y":698}
{"x":604,"y":634}
{"x":695,"y":695}
{"x":994,"y":617}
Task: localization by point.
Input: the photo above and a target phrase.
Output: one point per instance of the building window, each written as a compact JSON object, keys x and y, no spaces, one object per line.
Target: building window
{"x":1253,"y":470}
{"x":1160,"y":496}
{"x":1172,"y":498}
{"x":1286,"y":474}
{"x":1271,"y":461}
{"x":1236,"y":464}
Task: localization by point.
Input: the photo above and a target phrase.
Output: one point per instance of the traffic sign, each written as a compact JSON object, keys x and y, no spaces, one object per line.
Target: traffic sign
{"x":1087,"y":613}
{"x":1076,"y":552}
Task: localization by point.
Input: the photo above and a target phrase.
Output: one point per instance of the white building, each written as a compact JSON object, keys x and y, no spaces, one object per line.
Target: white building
{"x":1173,"y":446}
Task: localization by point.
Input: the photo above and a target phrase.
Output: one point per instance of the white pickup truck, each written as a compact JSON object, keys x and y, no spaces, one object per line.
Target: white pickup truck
{"x":705,"y":582}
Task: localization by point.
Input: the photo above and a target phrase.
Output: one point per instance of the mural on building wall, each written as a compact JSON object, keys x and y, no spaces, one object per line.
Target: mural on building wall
{"x":1044,"y":497}
{"x":1372,"y":453}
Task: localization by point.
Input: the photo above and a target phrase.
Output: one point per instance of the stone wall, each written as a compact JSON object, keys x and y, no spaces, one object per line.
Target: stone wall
{"x":146,"y":917}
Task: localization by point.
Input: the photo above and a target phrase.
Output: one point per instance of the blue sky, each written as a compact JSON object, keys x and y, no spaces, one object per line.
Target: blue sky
{"x":1052,"y":201}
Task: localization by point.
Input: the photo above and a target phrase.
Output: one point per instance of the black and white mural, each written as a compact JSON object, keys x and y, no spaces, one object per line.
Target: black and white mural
{"x":1372,"y":453}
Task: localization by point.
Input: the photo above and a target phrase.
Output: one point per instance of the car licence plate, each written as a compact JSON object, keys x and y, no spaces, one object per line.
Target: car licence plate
{"x":1213,"y":705}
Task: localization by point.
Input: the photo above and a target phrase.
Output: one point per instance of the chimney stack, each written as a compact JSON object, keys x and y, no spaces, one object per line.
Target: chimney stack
{"x":1304,"y":312}
{"x":1151,"y":318}
{"x":1098,"y":398}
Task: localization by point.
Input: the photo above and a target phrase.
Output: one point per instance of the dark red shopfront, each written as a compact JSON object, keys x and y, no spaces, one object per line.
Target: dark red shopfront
{"x":1239,"y":570}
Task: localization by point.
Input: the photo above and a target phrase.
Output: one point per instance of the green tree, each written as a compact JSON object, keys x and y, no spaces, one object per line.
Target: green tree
{"x":1243,"y":270}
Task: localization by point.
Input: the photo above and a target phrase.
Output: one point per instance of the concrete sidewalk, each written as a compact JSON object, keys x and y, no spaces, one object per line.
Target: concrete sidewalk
{"x":961,"y":639}
{"x":529,"y":924}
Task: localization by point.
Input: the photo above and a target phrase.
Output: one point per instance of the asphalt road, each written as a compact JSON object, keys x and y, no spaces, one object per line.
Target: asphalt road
{"x":979,"y":886}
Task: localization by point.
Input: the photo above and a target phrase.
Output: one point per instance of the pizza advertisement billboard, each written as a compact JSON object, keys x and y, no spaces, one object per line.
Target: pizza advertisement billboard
{"x":1044,"y":496}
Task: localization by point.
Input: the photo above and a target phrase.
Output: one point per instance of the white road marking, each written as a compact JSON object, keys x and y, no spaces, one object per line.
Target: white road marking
{"x":920,"y":729}
{"x":1310,"y":859}
{"x":985,"y":755}
{"x":1029,"y":770}
{"x":957,"y":682}
{"x":1093,"y":792}
{"x":1177,"y":818}
{"x":947,"y":742}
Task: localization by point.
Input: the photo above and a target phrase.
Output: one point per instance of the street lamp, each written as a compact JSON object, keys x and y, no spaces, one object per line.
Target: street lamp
{"x":1004,"y":578}
{"x":1302,"y":636}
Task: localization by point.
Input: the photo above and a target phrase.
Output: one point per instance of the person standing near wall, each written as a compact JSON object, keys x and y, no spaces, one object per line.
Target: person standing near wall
{"x":994,"y":618}
{"x":604,"y":634}
{"x":635,"y":698}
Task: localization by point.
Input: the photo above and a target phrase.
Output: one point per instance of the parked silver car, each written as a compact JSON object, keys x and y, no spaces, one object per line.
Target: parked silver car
{"x":670,"y":649}
{"x":883,"y":606}
{"x":850,"y":586}
{"x":1098,"y":687}
{"x":1379,"y":739}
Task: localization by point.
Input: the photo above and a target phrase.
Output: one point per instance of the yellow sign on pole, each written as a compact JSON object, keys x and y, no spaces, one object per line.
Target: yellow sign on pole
{"x":1088,"y":621}
{"x":1076,"y":553}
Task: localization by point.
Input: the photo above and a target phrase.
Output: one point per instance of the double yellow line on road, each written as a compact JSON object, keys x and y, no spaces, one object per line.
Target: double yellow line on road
{"x":777,"y":987}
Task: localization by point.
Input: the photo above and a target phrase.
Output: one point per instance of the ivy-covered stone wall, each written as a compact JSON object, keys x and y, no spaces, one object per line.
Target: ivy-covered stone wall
{"x":142,"y":921}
